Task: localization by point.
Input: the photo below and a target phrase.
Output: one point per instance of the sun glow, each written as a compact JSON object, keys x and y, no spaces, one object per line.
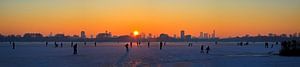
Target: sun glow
{"x":135,"y":33}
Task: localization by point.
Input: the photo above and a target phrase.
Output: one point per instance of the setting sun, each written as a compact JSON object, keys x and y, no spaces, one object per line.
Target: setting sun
{"x":135,"y":33}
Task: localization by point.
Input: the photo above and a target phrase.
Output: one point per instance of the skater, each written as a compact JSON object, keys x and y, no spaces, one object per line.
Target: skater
{"x":75,"y":49}
{"x":266,"y":45}
{"x":84,"y":43}
{"x":272,"y":45}
{"x":95,"y":44}
{"x":56,"y":45}
{"x":126,"y":46}
{"x":13,"y":45}
{"x":61,"y":44}
{"x":148,"y":44}
{"x":72,"y":44}
{"x":247,"y":43}
{"x":202,"y":49}
{"x":46,"y":43}
{"x":161,"y":44}
{"x":190,"y":44}
{"x":130,"y":44}
{"x":207,"y":49}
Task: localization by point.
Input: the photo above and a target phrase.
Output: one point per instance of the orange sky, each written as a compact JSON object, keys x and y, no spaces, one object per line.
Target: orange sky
{"x":121,"y":17}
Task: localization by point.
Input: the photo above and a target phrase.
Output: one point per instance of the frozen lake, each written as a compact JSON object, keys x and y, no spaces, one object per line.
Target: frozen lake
{"x":113,"y":54}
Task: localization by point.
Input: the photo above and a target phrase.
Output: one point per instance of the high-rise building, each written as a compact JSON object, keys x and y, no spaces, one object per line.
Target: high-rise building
{"x":182,"y":35}
{"x":213,"y":35}
{"x":201,"y":35}
{"x":205,"y":36}
{"x":83,"y":34}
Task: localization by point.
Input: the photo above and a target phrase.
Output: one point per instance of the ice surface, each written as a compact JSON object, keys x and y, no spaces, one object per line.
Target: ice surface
{"x":113,"y":54}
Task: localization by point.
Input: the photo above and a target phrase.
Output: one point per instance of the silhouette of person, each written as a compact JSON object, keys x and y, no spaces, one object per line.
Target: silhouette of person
{"x":130,"y":44}
{"x":95,"y":44}
{"x":207,"y":49}
{"x":61,"y":44}
{"x":202,"y":48}
{"x":46,"y":43}
{"x":56,"y":45}
{"x":75,"y":49}
{"x":266,"y":45}
{"x":13,"y":45}
{"x":161,"y":45}
{"x":190,"y":44}
{"x":165,"y":43}
{"x":272,"y":45}
{"x":84,"y":43}
{"x":148,"y":44}
{"x":277,"y":43}
{"x":216,"y":42}
{"x":247,"y":43}
{"x":126,"y":46}
{"x":72,"y":44}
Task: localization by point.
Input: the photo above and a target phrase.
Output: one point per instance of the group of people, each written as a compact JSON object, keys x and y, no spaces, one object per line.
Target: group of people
{"x":13,"y":44}
{"x":267,"y":45}
{"x":202,"y":49}
{"x":161,"y":44}
{"x":242,"y":43}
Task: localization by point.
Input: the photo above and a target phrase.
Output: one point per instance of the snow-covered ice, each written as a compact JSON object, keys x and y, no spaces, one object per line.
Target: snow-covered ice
{"x":113,"y":54}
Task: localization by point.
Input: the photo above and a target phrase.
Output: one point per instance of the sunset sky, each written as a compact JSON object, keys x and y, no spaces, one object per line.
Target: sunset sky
{"x":121,"y":17}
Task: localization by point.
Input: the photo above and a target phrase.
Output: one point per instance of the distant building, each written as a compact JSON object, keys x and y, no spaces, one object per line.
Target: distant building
{"x":33,"y":35}
{"x":83,"y":36}
{"x":271,"y":35}
{"x":164,"y":36}
{"x":201,"y":35}
{"x":213,"y":35}
{"x":182,"y":34}
{"x":59,"y":35}
{"x":104,"y":35}
{"x":188,"y":37}
{"x":205,"y":36}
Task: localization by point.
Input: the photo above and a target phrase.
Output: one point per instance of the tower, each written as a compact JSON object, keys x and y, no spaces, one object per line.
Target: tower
{"x":213,"y":35}
{"x":83,"y":34}
{"x":182,"y":34}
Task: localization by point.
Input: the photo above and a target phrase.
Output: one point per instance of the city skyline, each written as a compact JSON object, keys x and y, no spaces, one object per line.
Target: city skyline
{"x":227,"y":17}
{"x":182,"y":35}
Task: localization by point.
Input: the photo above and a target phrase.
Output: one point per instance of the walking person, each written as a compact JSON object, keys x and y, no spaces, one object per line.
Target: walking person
{"x":126,"y":46}
{"x":202,"y":49}
{"x":266,"y":45}
{"x":148,"y":44}
{"x":130,"y":44}
{"x":72,"y":44}
{"x":75,"y":49}
{"x":207,"y":49}
{"x":13,"y":45}
{"x":46,"y":43}
{"x":161,"y":45}
{"x":56,"y":45}
{"x":61,"y":44}
{"x":95,"y":44}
